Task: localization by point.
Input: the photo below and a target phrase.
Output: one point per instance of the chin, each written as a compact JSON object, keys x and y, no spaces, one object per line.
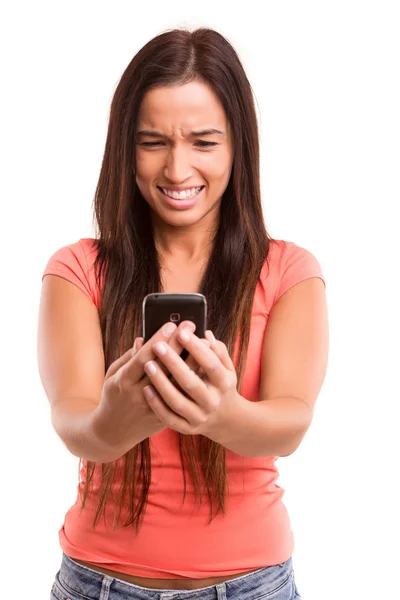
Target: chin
{"x":179,"y":219}
{"x":184,"y":218}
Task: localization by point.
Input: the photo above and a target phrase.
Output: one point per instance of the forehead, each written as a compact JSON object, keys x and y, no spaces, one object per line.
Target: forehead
{"x":181,"y":108}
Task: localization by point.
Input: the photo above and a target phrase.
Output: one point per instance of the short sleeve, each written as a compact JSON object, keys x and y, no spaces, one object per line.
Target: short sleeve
{"x":70,"y":263}
{"x":296,"y":264}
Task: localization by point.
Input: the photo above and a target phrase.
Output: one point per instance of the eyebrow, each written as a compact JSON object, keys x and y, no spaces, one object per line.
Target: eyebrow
{"x":154,"y":133}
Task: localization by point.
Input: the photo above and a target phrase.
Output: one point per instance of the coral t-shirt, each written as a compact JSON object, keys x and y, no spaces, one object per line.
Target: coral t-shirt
{"x":176,"y":540}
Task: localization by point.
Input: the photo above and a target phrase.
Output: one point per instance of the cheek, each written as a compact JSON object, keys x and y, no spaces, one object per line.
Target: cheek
{"x":215,"y":165}
{"x":219,"y":172}
{"x":146,"y":166}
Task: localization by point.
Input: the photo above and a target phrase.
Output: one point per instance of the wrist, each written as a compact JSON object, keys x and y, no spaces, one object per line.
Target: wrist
{"x":223,"y":430}
{"x":103,"y":436}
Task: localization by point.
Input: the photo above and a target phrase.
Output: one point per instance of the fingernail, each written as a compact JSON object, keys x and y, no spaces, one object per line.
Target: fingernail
{"x":169,"y":329}
{"x":160,"y":348}
{"x":150,"y":368}
{"x":148,"y":391}
{"x":185,"y":335}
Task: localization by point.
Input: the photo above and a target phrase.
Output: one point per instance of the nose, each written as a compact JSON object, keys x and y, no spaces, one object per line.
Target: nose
{"x":177,"y":167}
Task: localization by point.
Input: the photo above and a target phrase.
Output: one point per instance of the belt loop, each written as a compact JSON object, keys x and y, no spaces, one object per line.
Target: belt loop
{"x":105,"y":587}
{"x":221,"y":591}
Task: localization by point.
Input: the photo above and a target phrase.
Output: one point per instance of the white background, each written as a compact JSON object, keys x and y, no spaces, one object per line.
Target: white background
{"x":326,"y":80}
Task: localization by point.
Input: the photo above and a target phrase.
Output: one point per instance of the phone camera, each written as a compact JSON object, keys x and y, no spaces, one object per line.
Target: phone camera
{"x":175,"y":317}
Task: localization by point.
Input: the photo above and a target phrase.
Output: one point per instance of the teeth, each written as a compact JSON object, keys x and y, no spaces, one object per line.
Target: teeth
{"x":182,"y":195}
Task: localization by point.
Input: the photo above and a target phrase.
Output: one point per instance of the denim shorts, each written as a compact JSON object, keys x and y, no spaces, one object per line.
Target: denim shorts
{"x":76,"y":582}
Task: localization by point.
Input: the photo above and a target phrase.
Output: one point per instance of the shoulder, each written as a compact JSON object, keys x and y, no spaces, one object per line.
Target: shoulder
{"x":77,"y":251}
{"x":286,"y":265}
{"x":75,"y":262}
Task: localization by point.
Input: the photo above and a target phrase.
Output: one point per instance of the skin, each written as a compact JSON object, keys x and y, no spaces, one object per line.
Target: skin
{"x":179,"y":159}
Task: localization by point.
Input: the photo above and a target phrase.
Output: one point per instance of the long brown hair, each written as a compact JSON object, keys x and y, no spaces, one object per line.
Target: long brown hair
{"x":127,"y":256}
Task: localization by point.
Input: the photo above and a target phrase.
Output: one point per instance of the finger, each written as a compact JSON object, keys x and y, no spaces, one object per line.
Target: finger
{"x":221,"y":373}
{"x":138,"y":343}
{"x":163,"y":411}
{"x":175,"y":343}
{"x":133,"y":370}
{"x":210,"y":337}
{"x":222,"y":352}
{"x":186,"y":379}
{"x":191,"y":363}
{"x":193,"y":412}
{"x":176,"y":346}
{"x":200,"y":373}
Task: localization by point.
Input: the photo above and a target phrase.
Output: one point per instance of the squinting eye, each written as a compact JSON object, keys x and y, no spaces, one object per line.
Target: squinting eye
{"x":206,"y":144}
{"x":202,"y":144}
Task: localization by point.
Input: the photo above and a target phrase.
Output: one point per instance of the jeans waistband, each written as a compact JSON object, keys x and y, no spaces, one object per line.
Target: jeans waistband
{"x":77,"y":579}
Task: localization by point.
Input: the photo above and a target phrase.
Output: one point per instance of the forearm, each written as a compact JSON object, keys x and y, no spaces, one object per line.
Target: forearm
{"x":272,"y":427}
{"x":77,"y":423}
{"x":73,"y":421}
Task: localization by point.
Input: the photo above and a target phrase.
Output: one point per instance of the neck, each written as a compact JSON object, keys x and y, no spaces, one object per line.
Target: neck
{"x":185,"y":245}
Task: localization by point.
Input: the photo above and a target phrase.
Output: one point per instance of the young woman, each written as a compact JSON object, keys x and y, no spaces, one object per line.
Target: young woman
{"x":178,"y":209}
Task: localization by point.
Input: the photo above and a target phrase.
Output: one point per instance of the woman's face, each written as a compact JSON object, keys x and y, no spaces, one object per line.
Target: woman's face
{"x":173,"y":156}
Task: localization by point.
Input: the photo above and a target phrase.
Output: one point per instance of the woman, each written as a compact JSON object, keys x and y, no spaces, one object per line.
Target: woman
{"x":178,"y":209}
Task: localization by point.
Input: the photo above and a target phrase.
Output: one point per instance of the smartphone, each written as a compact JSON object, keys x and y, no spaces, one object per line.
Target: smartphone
{"x":160,"y":308}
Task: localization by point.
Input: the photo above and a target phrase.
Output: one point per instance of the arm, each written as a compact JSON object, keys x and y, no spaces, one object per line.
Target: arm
{"x":294,"y":364}
{"x":273,"y":427}
{"x":71,"y":419}
{"x":98,"y":416}
{"x":78,"y":423}
{"x":71,"y":365}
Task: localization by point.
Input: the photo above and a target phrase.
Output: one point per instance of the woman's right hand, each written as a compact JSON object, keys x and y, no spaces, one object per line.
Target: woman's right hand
{"x":123,"y":418}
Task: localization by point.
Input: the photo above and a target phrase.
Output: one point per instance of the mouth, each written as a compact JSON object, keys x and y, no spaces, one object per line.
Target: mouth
{"x":186,"y":197}
{"x":182,"y":203}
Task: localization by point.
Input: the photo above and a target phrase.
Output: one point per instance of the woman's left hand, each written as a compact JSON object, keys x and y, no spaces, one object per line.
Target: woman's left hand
{"x":211,"y":395}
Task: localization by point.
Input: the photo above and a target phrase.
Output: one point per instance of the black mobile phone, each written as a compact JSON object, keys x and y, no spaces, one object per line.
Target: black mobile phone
{"x":160,"y":308}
